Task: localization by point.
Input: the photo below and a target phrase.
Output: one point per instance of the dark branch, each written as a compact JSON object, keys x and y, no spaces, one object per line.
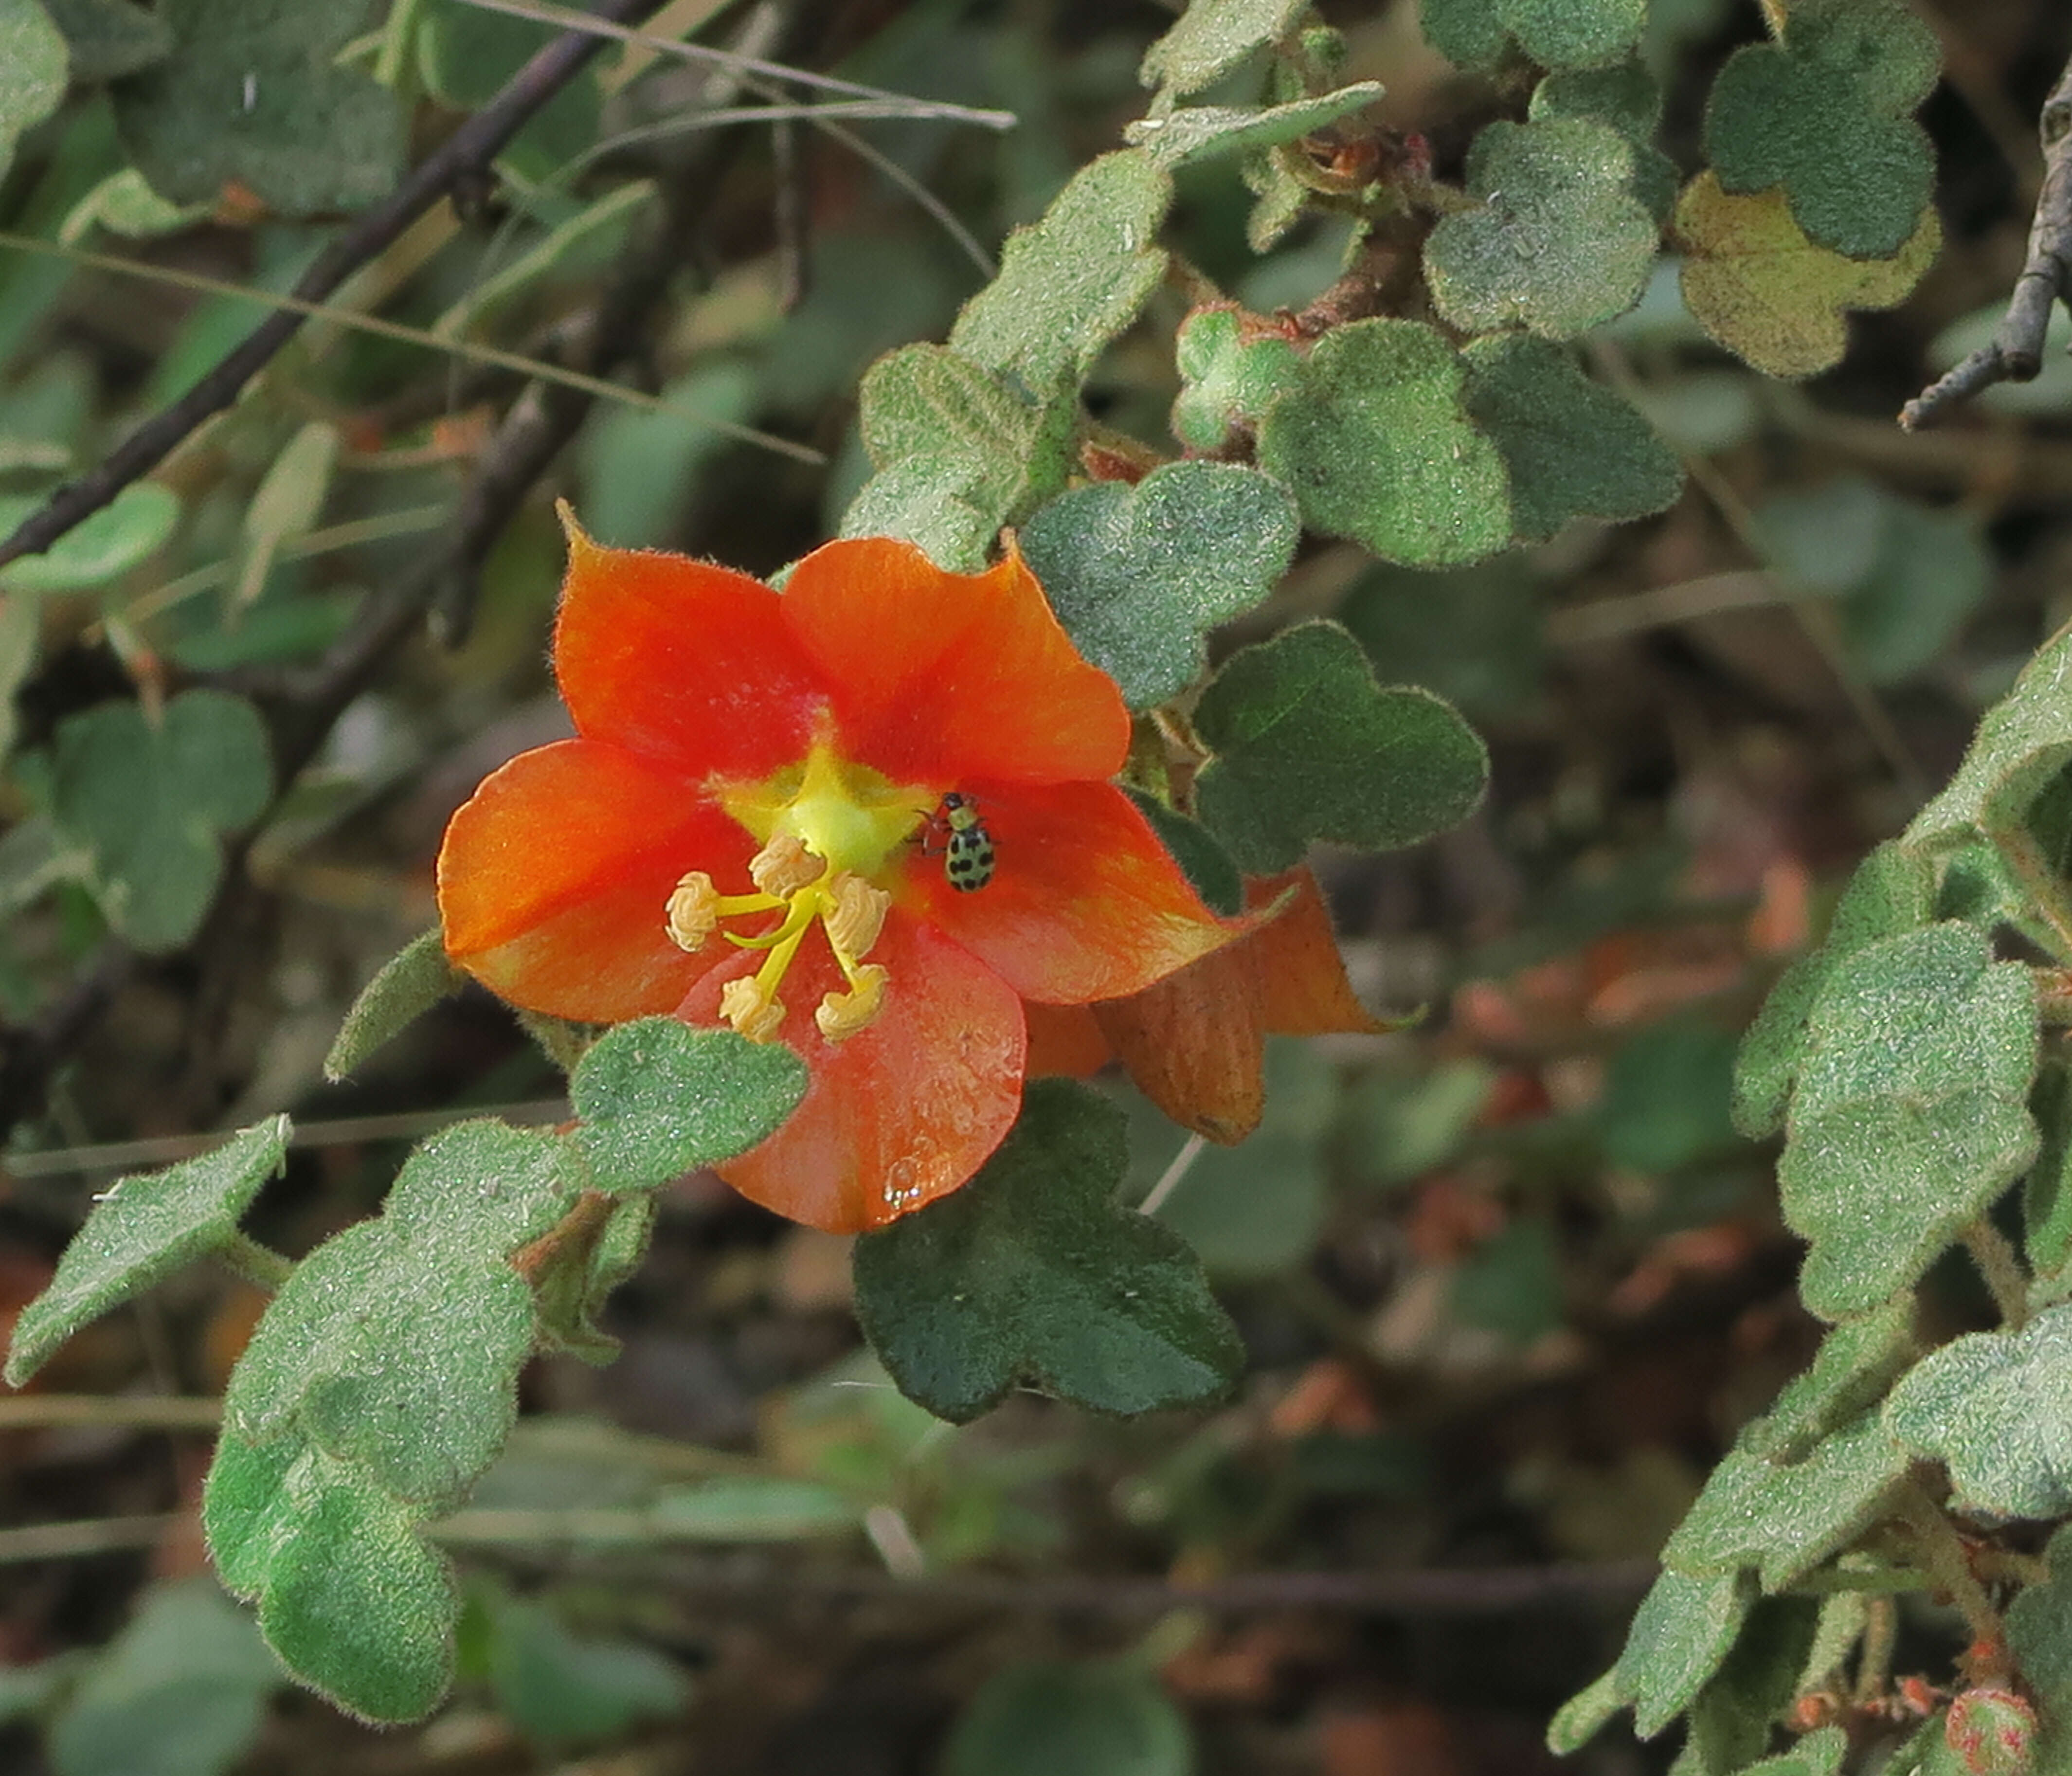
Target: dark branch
{"x":2015,"y":352}
{"x":460,"y":164}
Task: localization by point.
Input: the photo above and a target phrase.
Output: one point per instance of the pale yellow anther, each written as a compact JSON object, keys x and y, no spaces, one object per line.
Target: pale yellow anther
{"x":854,"y":915}
{"x":842,"y":1014}
{"x":693,"y":911}
{"x":743,"y":1003}
{"x":784,"y":865}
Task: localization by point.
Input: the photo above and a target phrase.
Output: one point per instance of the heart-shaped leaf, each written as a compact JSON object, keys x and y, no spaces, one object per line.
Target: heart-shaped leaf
{"x":1554,"y":33}
{"x":143,"y":1229}
{"x":1231,"y":374}
{"x":1626,"y":97}
{"x":1308,"y":746}
{"x":1911,"y":1113}
{"x":1377,"y":445}
{"x":1754,"y":282}
{"x":149,"y":800}
{"x":1072,"y":282}
{"x":1559,"y":243}
{"x":253,"y":94}
{"x":1575,"y":448}
{"x":1139,"y":575}
{"x":658,"y":1098}
{"x":1210,"y":39}
{"x":1031,"y":1275}
{"x":1995,"y":1409}
{"x":395,"y":1346}
{"x":1822,"y":113}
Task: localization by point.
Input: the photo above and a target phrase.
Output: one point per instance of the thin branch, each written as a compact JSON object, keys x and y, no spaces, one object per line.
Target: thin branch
{"x":2016,"y":351}
{"x":463,"y":158}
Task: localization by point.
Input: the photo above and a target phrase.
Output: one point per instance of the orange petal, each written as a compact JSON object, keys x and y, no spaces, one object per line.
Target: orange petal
{"x":898,"y":1114}
{"x":943,"y":677}
{"x":1084,"y":903}
{"x":1064,"y":1040}
{"x":1306,"y":992}
{"x":682,"y":660}
{"x":1195,"y":1043}
{"x":554,"y":876}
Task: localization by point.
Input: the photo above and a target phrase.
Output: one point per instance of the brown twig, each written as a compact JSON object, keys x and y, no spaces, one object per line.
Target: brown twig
{"x":461,"y":162}
{"x":2016,"y":351}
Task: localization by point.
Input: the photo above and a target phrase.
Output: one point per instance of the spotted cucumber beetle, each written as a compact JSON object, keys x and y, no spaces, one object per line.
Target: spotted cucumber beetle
{"x":967,"y":854}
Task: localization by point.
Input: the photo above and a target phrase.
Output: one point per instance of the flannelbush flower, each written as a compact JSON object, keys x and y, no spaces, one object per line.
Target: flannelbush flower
{"x":749,"y":830}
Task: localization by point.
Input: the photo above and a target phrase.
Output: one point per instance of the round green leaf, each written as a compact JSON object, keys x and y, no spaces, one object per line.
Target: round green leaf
{"x":130,"y":529}
{"x":1377,"y":446}
{"x":1139,"y":575}
{"x":658,"y":1098}
{"x":1032,"y":1275}
{"x":1995,"y":1409}
{"x":1307,"y":747}
{"x":1560,"y":245}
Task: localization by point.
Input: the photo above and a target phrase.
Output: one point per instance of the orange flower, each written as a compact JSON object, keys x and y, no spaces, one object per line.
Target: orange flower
{"x":1194,"y":1042}
{"x":750,"y":829}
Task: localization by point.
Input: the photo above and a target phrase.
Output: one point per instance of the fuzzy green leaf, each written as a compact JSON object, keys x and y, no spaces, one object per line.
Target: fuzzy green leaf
{"x":1911,"y":1111}
{"x":1554,"y":33}
{"x":2039,"y":1630}
{"x":1730,"y":1722}
{"x":1212,"y":38}
{"x":1856,"y":1363}
{"x":1995,"y":1409}
{"x":1823,"y":113}
{"x":1228,"y":380}
{"x":1893,"y":890}
{"x":1626,"y":97}
{"x":128,"y":531}
{"x":109,"y":37}
{"x":1817,"y":1755}
{"x":960,"y":454}
{"x":658,"y":1098}
{"x":2046,"y":1206}
{"x":2023,"y":742}
{"x":1682,"y":1633}
{"x":180,"y":1692}
{"x":141,"y":1229}
{"x":1072,"y":282}
{"x":33,"y":67}
{"x":395,"y":1347}
{"x":350,"y":1595}
{"x":1580,"y":1718}
{"x":1208,"y":132}
{"x":1560,"y":245}
{"x":253,"y":94}
{"x":148,"y":802}
{"x":1575,"y":449}
{"x":417,"y":977}
{"x":1032,"y":1275}
{"x":1110,"y":1718}
{"x":1785,"y":1518}
{"x":1139,"y":575}
{"x":1307,"y":747}
{"x":1377,"y":446}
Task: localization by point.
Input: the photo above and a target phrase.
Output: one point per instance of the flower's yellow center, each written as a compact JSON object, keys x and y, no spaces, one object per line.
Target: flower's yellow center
{"x":830,"y":830}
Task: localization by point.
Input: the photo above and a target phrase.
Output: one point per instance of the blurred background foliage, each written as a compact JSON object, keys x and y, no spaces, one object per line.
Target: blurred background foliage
{"x":1508,"y":1280}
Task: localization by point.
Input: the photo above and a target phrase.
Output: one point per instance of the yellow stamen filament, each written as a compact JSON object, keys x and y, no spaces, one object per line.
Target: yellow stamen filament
{"x":828,"y":829}
{"x":841,"y":1015}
